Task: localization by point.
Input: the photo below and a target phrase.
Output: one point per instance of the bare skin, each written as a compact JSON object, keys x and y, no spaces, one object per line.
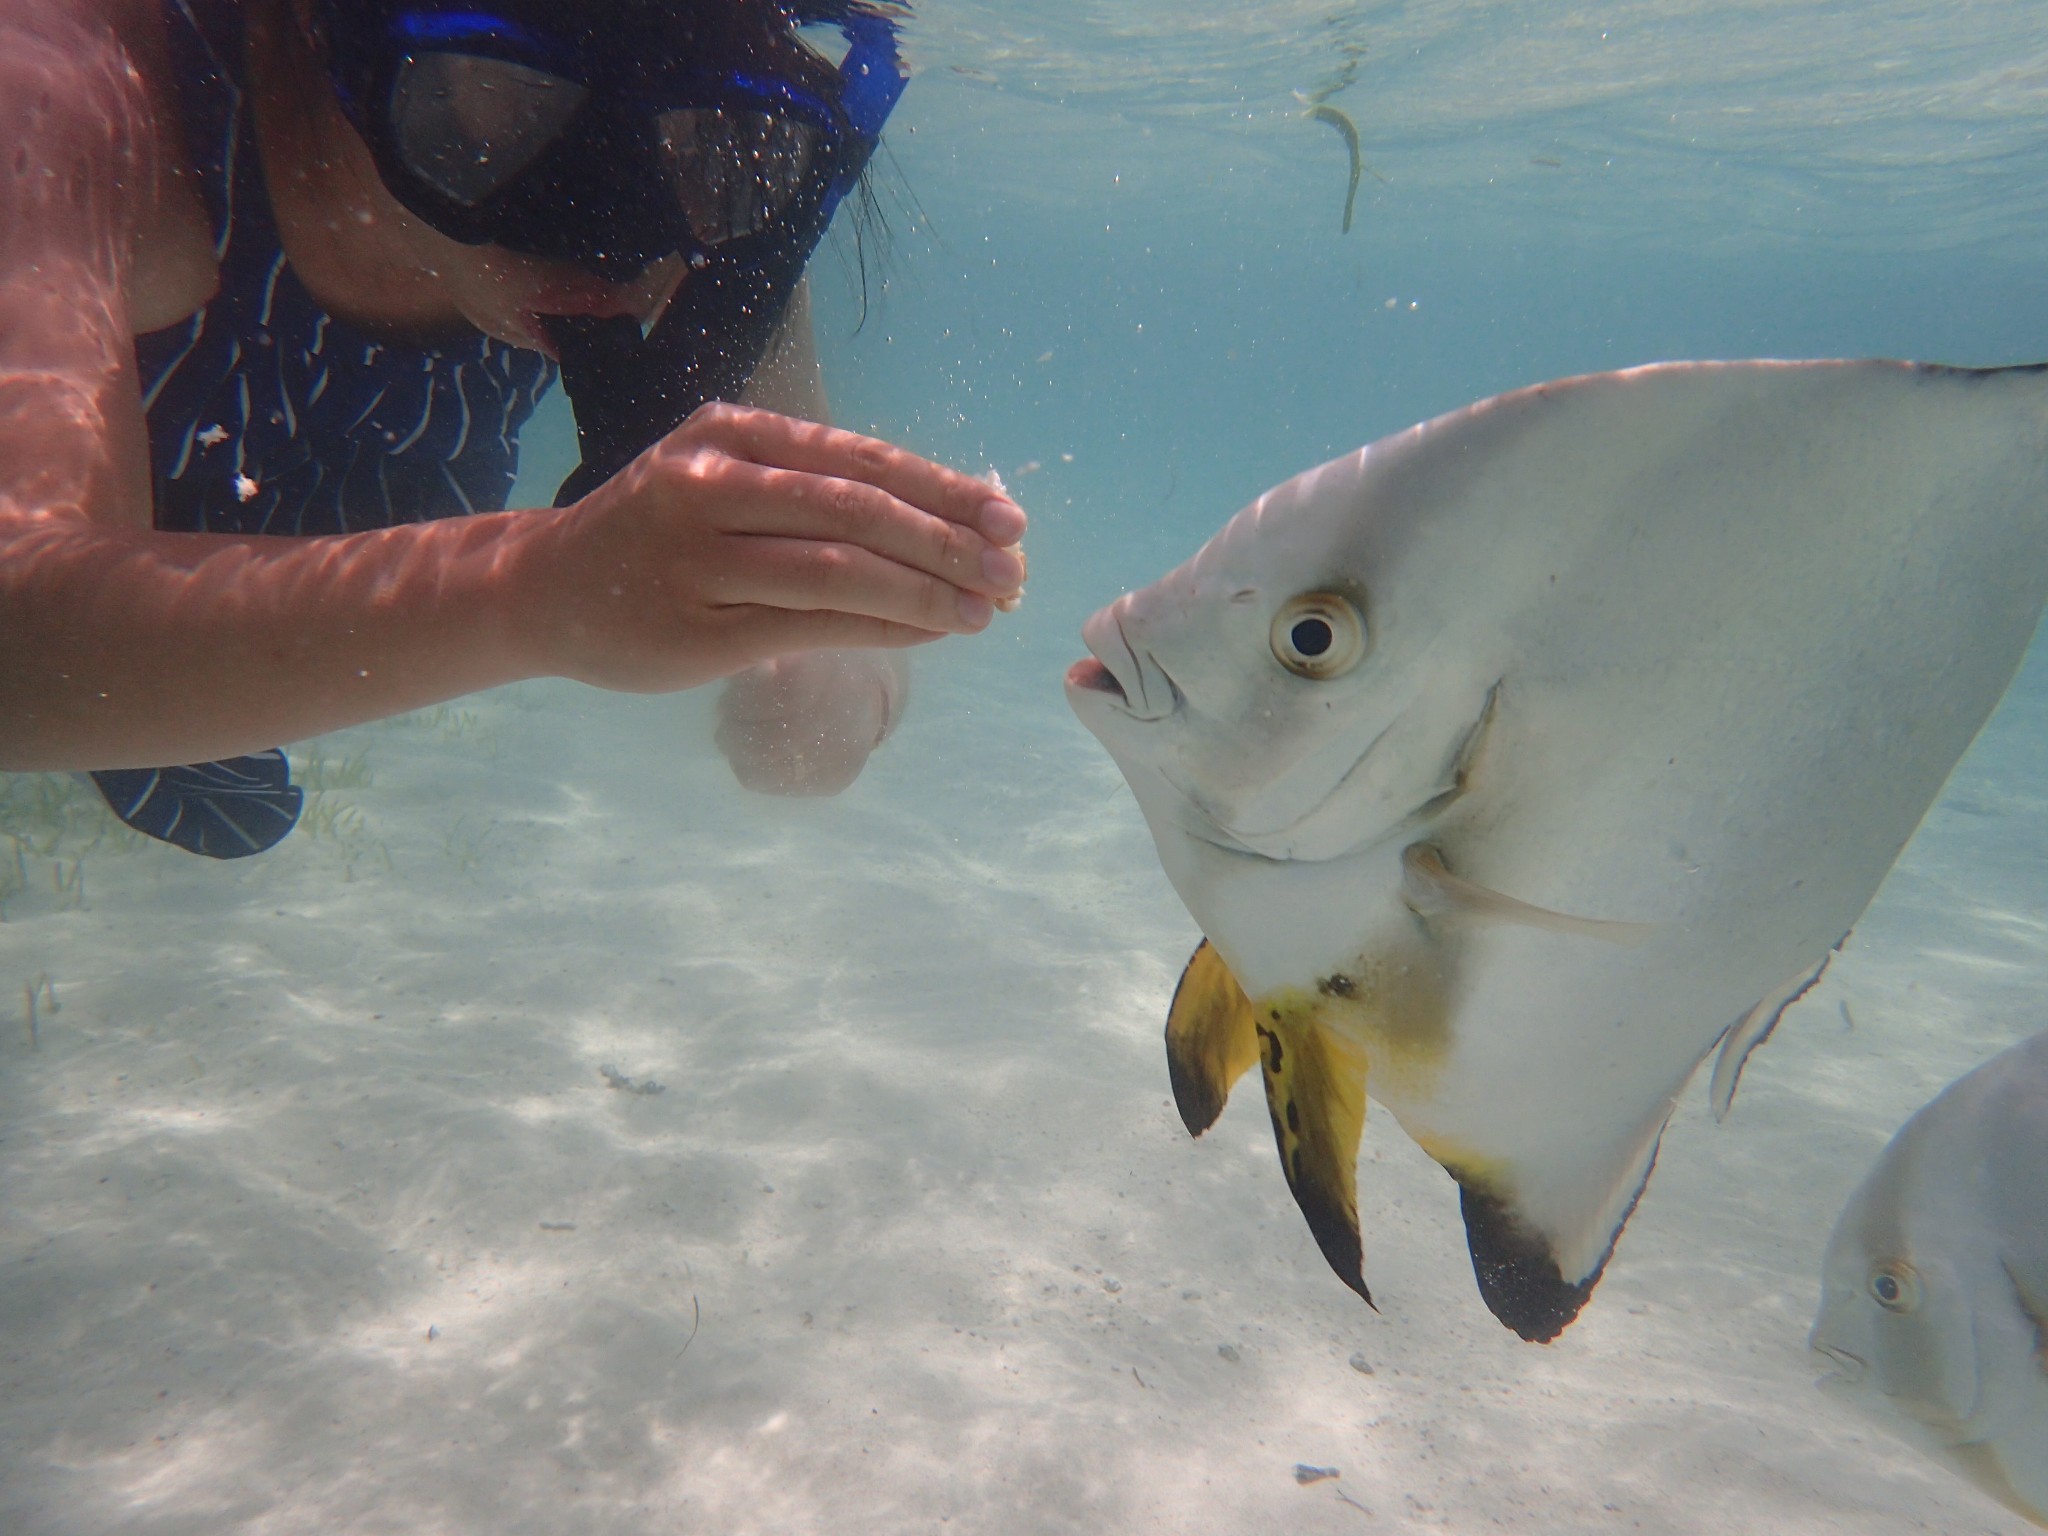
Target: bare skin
{"x":740,"y":541}
{"x":806,"y":724}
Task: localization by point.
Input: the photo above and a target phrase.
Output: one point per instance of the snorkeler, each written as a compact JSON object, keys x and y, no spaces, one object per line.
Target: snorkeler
{"x":280,"y":281}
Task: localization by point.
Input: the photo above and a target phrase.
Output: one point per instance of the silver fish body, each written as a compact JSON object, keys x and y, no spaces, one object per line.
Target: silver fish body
{"x":1626,"y":693}
{"x":1934,"y":1299}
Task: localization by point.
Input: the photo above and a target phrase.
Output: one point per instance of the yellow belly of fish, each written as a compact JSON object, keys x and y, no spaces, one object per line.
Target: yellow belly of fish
{"x":1393,"y":1003}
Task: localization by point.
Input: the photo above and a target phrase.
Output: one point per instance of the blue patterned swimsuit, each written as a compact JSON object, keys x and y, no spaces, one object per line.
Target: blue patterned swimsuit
{"x":268,"y":415}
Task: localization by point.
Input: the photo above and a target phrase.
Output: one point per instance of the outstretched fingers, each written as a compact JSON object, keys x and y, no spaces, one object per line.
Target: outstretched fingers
{"x":783,"y":442}
{"x":826,"y":511}
{"x":801,"y":575}
{"x":745,"y":535}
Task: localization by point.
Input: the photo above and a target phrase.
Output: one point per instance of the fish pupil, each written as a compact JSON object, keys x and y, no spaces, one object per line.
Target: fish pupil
{"x":1312,"y":637}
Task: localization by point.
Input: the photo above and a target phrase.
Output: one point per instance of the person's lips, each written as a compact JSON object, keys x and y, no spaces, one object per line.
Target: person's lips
{"x":594,"y":298}
{"x":578,"y":295}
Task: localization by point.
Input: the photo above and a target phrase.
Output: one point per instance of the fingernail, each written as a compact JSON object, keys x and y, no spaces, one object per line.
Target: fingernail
{"x":975,"y":610}
{"x":1002,"y":522}
{"x":1003,"y":567}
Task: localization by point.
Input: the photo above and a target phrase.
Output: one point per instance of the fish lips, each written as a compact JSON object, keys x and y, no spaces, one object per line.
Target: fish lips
{"x":1119,"y":672}
{"x":1090,"y":676}
{"x":1848,"y":1369}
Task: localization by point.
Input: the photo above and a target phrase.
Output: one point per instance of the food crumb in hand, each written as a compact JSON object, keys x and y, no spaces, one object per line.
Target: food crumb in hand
{"x":993,"y":479}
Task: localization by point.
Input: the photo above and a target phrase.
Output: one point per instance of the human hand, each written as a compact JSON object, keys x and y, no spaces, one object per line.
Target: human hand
{"x":805,"y":724}
{"x":743,"y":536}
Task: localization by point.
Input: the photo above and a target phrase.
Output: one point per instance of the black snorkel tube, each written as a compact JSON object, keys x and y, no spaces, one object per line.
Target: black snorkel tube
{"x":628,"y":389}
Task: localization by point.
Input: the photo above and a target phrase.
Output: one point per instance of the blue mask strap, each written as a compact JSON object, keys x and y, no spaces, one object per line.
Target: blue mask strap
{"x":871,"y":81}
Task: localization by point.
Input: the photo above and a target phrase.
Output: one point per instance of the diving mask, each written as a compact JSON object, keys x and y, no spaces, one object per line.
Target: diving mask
{"x":611,"y":133}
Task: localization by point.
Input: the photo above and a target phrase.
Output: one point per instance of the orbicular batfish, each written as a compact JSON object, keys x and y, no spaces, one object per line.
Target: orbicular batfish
{"x":1934,"y":1301}
{"x":1512,"y":762}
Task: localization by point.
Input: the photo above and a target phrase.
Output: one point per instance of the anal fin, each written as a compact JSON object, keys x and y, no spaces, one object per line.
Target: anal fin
{"x":1542,"y":1225}
{"x":1315,"y":1090}
{"x":1210,"y":1038}
{"x":1519,"y":1277}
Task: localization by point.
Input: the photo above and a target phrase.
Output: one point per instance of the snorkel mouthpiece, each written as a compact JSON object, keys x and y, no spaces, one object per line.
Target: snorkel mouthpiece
{"x":629,"y":390}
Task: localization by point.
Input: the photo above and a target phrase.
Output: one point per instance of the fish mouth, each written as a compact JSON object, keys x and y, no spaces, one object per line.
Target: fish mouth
{"x":1120,"y":670}
{"x":1848,"y":1369}
{"x":1091,"y":676}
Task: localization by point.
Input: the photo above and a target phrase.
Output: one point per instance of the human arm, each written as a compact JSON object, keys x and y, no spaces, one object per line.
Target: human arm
{"x":740,"y":537}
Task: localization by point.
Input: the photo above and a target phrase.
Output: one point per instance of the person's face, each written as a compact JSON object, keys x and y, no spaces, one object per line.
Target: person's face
{"x":502,"y":292}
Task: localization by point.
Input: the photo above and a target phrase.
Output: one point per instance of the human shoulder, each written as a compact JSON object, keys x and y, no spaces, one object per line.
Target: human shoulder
{"x":87,"y":103}
{"x":75,"y":60}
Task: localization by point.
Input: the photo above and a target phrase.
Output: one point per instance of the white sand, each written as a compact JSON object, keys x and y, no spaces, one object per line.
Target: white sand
{"x":317,"y":1214}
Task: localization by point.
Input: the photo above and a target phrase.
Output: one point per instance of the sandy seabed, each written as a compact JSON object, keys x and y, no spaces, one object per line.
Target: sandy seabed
{"x":329,"y":1202}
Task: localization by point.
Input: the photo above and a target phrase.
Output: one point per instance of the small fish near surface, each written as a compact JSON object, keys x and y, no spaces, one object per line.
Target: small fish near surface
{"x":1934,"y":1299}
{"x":1317,"y":110}
{"x":1512,"y":762}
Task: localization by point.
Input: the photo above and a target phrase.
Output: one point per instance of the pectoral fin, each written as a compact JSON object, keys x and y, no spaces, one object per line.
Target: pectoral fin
{"x":1210,"y":1039}
{"x":2031,"y":1292}
{"x":1432,"y":891}
{"x":1315,"y":1090}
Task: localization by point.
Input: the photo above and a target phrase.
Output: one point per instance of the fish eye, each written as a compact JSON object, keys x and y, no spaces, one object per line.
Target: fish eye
{"x":1318,"y":635}
{"x":1895,"y":1287}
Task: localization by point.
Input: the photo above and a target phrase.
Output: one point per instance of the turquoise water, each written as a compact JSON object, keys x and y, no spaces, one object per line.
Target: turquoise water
{"x":318,"y":1210}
